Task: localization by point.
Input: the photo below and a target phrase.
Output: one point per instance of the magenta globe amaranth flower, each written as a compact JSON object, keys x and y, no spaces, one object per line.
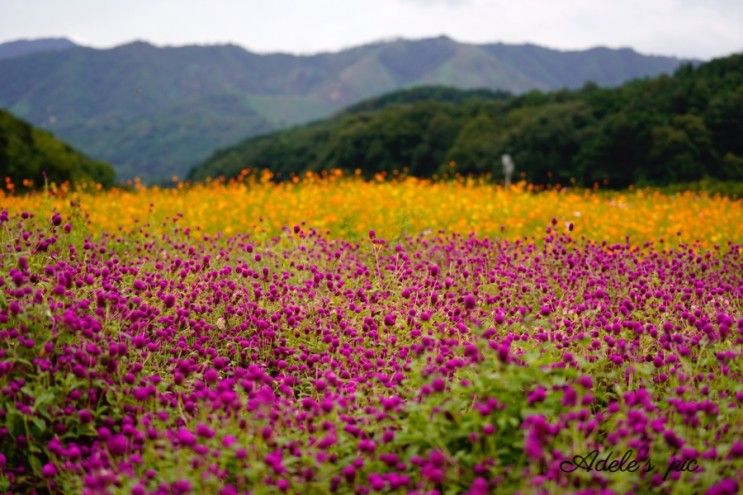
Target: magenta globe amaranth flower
{"x":49,"y":470}
{"x":174,"y":363}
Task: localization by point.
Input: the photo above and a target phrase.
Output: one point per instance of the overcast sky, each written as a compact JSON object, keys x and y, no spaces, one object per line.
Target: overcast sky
{"x":690,"y":28}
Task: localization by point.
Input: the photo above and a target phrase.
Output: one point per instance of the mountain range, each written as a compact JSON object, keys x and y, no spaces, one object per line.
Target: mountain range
{"x":155,"y":111}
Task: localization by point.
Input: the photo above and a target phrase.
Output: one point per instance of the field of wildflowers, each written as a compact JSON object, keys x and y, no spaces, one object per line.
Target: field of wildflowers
{"x":347,"y":208}
{"x":340,"y":336}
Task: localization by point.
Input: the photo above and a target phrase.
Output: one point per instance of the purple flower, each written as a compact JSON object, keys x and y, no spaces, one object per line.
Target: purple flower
{"x":367,"y":446}
{"x":727,"y":486}
{"x":117,"y":444}
{"x":389,"y":319}
{"x":49,"y":470}
{"x":537,"y":395}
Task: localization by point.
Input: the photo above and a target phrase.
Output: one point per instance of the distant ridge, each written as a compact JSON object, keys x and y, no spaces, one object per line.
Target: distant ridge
{"x":155,"y":111}
{"x":18,"y":48}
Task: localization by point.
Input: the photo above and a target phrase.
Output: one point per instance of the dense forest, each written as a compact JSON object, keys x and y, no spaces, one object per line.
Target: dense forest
{"x":155,"y":112}
{"x":31,"y":154}
{"x":668,"y":129}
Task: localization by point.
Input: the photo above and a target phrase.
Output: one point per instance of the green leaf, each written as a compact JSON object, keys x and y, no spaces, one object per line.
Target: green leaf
{"x":39,"y":423}
{"x":43,"y":399}
{"x":35,"y":464}
{"x":14,"y":421}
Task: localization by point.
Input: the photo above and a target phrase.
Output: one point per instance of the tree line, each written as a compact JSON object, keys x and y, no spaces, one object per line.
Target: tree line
{"x":670,"y":129}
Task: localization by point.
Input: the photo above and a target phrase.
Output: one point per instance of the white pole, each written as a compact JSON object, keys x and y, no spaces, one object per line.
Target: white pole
{"x":508,"y":168}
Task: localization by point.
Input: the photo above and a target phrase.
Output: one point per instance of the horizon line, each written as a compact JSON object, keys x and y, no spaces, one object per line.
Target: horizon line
{"x":376,"y":41}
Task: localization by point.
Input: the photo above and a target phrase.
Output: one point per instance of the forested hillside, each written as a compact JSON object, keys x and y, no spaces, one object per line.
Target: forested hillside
{"x":657,"y":131}
{"x":31,"y":154}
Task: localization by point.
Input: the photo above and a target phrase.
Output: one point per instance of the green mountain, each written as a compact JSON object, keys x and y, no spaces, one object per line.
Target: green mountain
{"x":18,"y":48}
{"x":156,"y":111}
{"x":656,"y":131}
{"x":30,"y":153}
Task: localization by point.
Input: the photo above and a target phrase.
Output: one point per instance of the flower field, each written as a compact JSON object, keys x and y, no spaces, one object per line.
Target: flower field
{"x":340,"y":336}
{"x":346,"y":207}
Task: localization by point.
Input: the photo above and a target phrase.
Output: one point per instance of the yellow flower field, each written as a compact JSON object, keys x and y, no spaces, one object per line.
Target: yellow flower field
{"x":348,"y":207}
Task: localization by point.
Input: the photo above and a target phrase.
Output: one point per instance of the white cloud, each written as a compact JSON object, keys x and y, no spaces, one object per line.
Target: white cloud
{"x":448,"y":3}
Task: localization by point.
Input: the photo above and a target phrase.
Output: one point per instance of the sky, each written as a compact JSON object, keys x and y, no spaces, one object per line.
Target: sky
{"x":687,"y":28}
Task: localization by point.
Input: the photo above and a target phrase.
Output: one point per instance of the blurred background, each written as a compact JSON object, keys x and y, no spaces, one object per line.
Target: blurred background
{"x":576,"y":93}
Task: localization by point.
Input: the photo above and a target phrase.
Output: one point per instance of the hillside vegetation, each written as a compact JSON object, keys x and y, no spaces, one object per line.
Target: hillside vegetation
{"x":31,"y":154}
{"x":340,"y":336}
{"x":669,"y":129}
{"x":155,"y":111}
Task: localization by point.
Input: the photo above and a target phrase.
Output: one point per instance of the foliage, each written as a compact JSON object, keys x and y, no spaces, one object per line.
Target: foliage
{"x":681,"y":128}
{"x":155,"y":362}
{"x":31,"y":154}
